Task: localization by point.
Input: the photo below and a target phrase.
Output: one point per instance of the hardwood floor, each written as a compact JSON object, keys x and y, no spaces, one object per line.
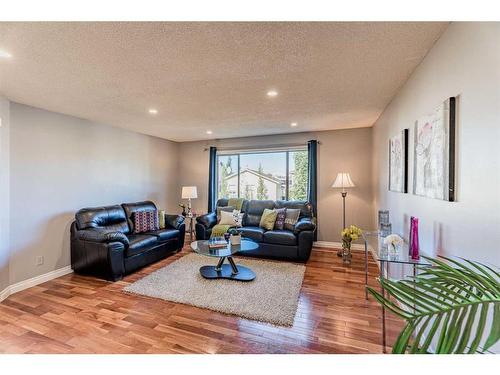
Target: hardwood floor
{"x":76,"y":314}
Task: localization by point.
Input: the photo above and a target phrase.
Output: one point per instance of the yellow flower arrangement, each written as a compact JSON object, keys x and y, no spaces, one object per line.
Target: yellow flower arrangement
{"x":351,"y":233}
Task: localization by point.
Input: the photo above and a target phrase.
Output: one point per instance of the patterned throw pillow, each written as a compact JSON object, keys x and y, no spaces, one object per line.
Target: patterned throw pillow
{"x":145,"y":221}
{"x":238,"y":217}
{"x":268,"y":219}
{"x":292,"y":216}
{"x":280,"y":218}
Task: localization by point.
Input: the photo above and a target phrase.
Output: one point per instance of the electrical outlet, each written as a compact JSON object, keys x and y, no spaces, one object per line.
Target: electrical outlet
{"x":39,"y":260}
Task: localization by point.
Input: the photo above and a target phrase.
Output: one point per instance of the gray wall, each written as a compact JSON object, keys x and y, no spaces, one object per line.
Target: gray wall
{"x":340,"y":150}
{"x":4,"y":193}
{"x":61,"y":163}
{"x":466,"y":62}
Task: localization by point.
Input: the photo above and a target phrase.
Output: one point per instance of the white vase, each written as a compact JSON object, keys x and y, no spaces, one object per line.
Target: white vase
{"x":235,"y":239}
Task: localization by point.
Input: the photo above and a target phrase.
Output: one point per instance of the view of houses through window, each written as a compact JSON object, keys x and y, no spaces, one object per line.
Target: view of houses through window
{"x":278,"y":175}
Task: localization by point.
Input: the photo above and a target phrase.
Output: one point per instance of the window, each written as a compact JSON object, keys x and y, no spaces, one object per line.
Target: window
{"x":274,"y":175}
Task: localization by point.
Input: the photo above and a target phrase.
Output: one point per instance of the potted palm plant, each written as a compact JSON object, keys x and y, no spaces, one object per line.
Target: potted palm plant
{"x":453,"y":304}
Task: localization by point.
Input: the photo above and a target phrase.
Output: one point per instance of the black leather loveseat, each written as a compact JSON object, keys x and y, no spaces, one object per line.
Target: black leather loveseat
{"x":103,"y":242}
{"x":293,"y":245}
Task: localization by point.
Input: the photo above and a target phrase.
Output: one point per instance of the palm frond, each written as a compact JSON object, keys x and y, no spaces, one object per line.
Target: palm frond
{"x":449,"y":303}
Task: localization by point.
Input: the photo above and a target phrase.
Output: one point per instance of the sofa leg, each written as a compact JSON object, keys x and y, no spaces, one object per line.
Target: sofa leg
{"x":116,"y":278}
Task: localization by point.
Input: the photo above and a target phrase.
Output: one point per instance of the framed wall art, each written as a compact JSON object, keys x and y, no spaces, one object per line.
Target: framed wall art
{"x":398,"y":162}
{"x":434,"y":153}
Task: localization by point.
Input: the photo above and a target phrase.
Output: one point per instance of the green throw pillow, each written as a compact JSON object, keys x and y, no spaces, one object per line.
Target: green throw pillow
{"x":161,"y":219}
{"x":236,"y":203}
{"x":268,"y":218}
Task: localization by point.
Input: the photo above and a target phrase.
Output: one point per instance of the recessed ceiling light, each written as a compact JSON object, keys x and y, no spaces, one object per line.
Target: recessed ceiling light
{"x":4,"y":54}
{"x":272,"y":93}
{"x":153,"y":111}
{"x":293,"y":124}
{"x":209,"y":132}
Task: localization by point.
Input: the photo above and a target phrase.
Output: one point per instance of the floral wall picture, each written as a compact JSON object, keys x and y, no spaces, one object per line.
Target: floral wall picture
{"x":398,"y":162}
{"x":434,"y":153}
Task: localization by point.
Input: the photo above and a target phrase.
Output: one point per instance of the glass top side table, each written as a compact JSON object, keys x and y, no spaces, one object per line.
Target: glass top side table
{"x":374,"y":240}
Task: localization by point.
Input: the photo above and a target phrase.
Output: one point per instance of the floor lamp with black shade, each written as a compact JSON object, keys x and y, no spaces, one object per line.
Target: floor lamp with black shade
{"x":343,"y":181}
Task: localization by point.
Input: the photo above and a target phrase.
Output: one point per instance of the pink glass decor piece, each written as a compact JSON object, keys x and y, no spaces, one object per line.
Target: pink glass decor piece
{"x":414,"y":248}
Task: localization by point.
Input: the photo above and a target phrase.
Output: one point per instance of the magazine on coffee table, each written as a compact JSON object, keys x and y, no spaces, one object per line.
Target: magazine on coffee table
{"x":217,"y":243}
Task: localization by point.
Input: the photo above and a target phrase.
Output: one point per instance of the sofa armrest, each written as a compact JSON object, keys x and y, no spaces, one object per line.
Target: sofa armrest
{"x":101,"y":236}
{"x":208,"y":220}
{"x":303,"y":225}
{"x":98,"y":252}
{"x":174,"y":221}
{"x":305,"y":244}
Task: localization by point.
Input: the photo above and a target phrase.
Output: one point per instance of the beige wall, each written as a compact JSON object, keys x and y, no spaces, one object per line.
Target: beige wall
{"x":340,"y":150}
{"x":60,"y":164}
{"x":465,"y":62}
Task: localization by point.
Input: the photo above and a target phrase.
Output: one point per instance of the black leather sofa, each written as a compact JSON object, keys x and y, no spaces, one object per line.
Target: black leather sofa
{"x":103,"y":242}
{"x":293,"y":245}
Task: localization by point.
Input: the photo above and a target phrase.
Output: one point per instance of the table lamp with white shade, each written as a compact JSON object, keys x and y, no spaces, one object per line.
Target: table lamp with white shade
{"x":343,"y":181}
{"x":189,"y":192}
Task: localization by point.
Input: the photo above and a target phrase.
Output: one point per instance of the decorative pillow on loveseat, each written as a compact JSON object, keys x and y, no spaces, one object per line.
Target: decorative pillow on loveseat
{"x":292,"y":216}
{"x":145,"y":221}
{"x":161,"y":219}
{"x":225,"y":208}
{"x":280,"y":218}
{"x":268,"y":219}
{"x":228,"y":218}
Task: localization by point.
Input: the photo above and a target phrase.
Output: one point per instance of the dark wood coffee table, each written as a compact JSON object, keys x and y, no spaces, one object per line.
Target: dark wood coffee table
{"x":229,"y":271}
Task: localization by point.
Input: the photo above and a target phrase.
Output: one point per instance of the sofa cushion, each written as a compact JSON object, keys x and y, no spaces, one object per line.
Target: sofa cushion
{"x":139,"y":243}
{"x":111,"y":218}
{"x":253,"y":211}
{"x":165,"y":234}
{"x":254,"y":233}
{"x":280,"y":237}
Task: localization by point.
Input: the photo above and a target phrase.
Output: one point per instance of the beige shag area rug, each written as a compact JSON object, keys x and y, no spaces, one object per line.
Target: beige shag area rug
{"x":272,"y":297}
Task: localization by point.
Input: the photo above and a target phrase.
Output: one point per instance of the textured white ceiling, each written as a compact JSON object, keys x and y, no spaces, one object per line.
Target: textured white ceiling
{"x":213,"y":75}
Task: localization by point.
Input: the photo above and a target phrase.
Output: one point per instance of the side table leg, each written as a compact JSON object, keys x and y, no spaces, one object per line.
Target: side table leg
{"x":383,"y":309}
{"x":366,"y":270}
{"x":414,"y":283}
{"x":191,"y":229}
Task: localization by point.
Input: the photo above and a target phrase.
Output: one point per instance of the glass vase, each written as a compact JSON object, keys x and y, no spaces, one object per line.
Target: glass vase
{"x":346,"y":252}
{"x":393,"y":251}
{"x":414,"y":248}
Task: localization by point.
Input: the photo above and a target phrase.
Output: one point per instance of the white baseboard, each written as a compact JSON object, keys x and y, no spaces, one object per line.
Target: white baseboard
{"x":25,"y":284}
{"x":4,"y":294}
{"x":338,"y":245}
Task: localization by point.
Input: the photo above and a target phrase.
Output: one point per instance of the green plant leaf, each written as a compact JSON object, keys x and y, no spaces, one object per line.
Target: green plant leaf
{"x":494,"y":335}
{"x":443,"y":303}
{"x":467,"y":330}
